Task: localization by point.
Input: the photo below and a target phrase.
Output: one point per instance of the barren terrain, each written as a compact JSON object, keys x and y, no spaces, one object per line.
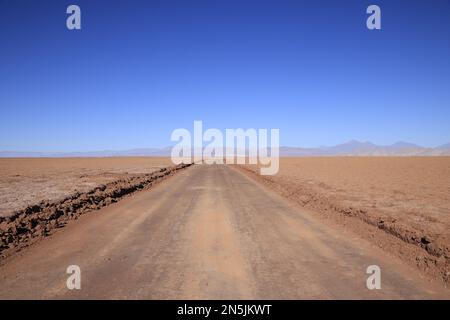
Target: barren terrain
{"x":207,"y":232}
{"x":408,"y":197}
{"x":221,"y":231}
{"x":27,"y":181}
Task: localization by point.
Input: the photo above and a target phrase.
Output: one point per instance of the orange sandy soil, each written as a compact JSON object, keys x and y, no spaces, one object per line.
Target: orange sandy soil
{"x":27,"y":181}
{"x":408,"y":197}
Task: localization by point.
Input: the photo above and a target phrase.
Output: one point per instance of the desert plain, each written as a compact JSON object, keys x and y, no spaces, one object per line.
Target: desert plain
{"x":27,"y":181}
{"x":318,"y":211}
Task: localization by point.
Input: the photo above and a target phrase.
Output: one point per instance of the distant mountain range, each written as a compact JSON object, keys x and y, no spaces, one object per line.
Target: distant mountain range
{"x":358,"y":148}
{"x":351,"y":148}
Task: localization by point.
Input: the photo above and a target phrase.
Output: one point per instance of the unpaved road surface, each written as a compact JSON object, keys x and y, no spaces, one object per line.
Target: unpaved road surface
{"x":208,"y":232}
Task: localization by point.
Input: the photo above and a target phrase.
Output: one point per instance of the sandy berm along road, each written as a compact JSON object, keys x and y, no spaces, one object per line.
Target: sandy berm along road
{"x":208,"y":232}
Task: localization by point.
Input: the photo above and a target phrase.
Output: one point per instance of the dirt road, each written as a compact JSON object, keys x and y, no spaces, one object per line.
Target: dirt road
{"x":207,"y":233}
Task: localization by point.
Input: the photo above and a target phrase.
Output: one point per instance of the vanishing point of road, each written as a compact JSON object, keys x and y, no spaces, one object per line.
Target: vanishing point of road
{"x":209,"y":232}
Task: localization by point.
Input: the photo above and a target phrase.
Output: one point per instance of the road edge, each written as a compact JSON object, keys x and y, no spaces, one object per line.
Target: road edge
{"x":429,"y":266}
{"x":35,"y":222}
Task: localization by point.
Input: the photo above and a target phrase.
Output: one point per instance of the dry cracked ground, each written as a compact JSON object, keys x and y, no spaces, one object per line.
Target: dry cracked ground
{"x":209,"y":232}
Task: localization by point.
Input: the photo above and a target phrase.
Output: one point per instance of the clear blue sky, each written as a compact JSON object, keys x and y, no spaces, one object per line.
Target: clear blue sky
{"x":139,"y":69}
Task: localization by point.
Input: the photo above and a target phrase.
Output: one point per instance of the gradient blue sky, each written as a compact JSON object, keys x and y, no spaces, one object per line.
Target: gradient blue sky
{"x":139,"y":69}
